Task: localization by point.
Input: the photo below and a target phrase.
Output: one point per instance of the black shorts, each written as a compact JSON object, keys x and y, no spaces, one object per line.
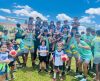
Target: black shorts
{"x":12,"y":63}
{"x":43,"y":58}
{"x":33,"y":55}
{"x":58,"y":67}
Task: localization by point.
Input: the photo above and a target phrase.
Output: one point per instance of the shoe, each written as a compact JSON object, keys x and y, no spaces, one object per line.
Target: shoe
{"x":61,"y":79}
{"x":51,"y":72}
{"x":78,"y":76}
{"x":84,"y":79}
{"x":24,"y":65}
{"x":46,"y":70}
{"x":39,"y":70}
{"x":63,"y":73}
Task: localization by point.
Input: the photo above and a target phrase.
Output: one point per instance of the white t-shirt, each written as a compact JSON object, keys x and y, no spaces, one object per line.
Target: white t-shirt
{"x":43,"y":48}
{"x":57,"y":58}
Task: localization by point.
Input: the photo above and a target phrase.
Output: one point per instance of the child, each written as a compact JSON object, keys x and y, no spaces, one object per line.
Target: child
{"x":58,"y":63}
{"x":29,"y":46}
{"x":5,"y":36}
{"x":72,"y":47}
{"x":85,"y":57}
{"x":88,"y":39}
{"x":96,"y":46}
{"x":4,"y":61}
{"x":43,"y":51}
{"x":12,"y":59}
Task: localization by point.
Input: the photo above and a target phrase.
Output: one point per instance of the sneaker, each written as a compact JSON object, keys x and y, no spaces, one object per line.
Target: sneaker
{"x":51,"y":71}
{"x":46,"y":70}
{"x":79,"y":76}
{"x":61,"y":79}
{"x":39,"y":70}
{"x":84,"y":79}
{"x":63,"y":73}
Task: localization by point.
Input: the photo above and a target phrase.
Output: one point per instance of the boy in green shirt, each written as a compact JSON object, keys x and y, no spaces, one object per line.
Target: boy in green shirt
{"x":96,"y":46}
{"x":85,"y":57}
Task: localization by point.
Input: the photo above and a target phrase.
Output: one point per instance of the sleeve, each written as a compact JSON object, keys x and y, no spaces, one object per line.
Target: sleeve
{"x":84,"y":43}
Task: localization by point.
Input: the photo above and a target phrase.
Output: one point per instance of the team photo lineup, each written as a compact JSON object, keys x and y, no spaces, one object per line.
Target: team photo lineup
{"x":52,"y":45}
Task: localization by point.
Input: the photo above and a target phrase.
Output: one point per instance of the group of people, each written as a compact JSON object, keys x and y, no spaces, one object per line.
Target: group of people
{"x":48,"y":42}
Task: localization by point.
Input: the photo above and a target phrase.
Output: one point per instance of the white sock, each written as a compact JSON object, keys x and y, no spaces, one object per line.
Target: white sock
{"x":54,"y":75}
{"x":59,"y":75}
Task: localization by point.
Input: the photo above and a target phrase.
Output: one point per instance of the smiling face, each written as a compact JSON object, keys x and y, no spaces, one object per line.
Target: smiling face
{"x":59,"y":46}
{"x":43,"y":43}
{"x":4,"y":48}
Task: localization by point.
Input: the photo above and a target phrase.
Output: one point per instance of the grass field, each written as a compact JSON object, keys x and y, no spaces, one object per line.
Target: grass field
{"x":31,"y":74}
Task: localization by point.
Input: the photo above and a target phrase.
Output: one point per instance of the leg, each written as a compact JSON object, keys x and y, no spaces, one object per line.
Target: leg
{"x":69,"y":64}
{"x":11,"y":72}
{"x":77,"y":64}
{"x":85,"y":67}
{"x":17,"y":59}
{"x":97,"y":73}
{"x":33,"y":59}
{"x":55,"y":73}
{"x":2,"y":77}
{"x":80,"y":68}
{"x":26,"y":57}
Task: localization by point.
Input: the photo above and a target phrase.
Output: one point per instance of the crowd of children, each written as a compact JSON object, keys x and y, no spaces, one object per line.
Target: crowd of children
{"x":48,"y":43}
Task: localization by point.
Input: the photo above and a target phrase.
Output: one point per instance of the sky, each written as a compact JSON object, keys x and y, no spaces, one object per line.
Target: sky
{"x":88,"y":11}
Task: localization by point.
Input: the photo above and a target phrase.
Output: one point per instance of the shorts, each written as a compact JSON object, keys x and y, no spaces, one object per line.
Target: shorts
{"x":97,"y":60}
{"x":43,"y":58}
{"x":2,"y":73}
{"x":59,"y":67}
{"x":76,"y":56}
{"x":20,"y":53}
{"x":86,"y":60}
{"x":11,"y":63}
{"x":26,"y":50}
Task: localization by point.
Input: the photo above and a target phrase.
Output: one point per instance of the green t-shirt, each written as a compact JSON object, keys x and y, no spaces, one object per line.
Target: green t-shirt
{"x":84,"y":53}
{"x":64,"y":40}
{"x":19,"y":31}
{"x":29,"y":40}
{"x":96,"y":44}
{"x":21,"y":43}
{"x":73,"y":44}
{"x":5,"y":37}
{"x":87,"y":39}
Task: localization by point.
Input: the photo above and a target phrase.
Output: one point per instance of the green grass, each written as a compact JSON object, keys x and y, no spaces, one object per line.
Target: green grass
{"x":31,"y":74}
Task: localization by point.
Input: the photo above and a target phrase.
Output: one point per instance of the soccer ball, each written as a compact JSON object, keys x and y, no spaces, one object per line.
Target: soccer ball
{"x":64,"y":57}
{"x":13,"y":52}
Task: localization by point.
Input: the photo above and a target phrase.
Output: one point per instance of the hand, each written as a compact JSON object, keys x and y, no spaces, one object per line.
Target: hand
{"x":7,"y":61}
{"x":80,"y":45}
{"x":13,"y":56}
